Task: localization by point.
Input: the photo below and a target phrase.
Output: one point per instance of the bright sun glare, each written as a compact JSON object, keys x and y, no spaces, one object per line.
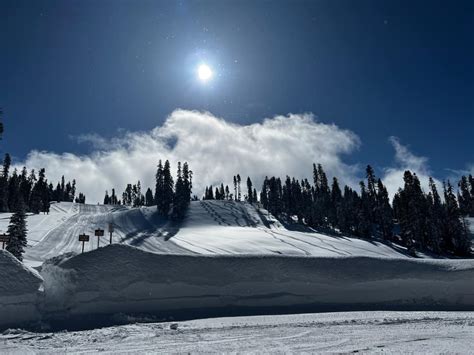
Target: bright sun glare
{"x":204,"y":72}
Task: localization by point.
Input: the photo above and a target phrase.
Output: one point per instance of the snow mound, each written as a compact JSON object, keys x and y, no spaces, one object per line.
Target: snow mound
{"x":229,"y":227}
{"x":120,"y":279}
{"x":20,"y":291}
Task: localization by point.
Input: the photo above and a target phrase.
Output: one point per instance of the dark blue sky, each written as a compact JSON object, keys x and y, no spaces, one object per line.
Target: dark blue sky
{"x":378,"y":68}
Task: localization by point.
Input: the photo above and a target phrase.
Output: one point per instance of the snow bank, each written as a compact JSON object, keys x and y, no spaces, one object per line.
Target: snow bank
{"x":122,"y":279}
{"x":20,"y":292}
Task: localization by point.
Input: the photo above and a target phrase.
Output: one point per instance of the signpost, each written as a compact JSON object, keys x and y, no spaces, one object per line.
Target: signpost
{"x":111,"y":230}
{"x":83,"y":238}
{"x":4,"y":238}
{"x":99,"y":233}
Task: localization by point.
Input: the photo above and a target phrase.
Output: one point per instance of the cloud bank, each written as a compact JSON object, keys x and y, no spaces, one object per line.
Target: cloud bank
{"x":215,"y":149}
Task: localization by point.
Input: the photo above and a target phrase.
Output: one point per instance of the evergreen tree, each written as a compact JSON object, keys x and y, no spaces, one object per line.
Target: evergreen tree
{"x":13,"y":191}
{"x":81,"y":198}
{"x":464,"y":197}
{"x":264,"y":193}
{"x":182,"y":195}
{"x":106,"y":198}
{"x":436,"y":218}
{"x":222,"y":192}
{"x":210,"y":195}
{"x":383,"y":212}
{"x":4,"y":183}
{"x":167,"y":199}
{"x":149,"y":200}
{"x":39,"y":193}
{"x":371,"y":198}
{"x":113,"y":198}
{"x":249,"y":190}
{"x":235,"y":187}
{"x":25,"y":187}
{"x":17,"y":232}
{"x":363,"y":226}
{"x":456,"y":229}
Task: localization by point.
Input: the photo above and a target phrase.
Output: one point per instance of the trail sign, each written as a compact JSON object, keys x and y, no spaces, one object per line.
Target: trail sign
{"x":4,"y":238}
{"x":83,"y":238}
{"x":99,"y":233}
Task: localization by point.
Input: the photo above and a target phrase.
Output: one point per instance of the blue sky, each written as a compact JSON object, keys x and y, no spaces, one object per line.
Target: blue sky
{"x":376,"y":68}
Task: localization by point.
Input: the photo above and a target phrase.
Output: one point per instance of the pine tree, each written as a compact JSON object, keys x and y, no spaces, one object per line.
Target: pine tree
{"x":435,"y":219}
{"x":363,"y":226}
{"x":106,"y":198}
{"x":81,"y":198}
{"x":25,"y":187}
{"x":4,"y":184}
{"x":13,"y":191}
{"x":464,"y":196}
{"x":17,"y":232}
{"x":335,"y":206}
{"x":455,"y":227}
{"x":167,"y":189}
{"x":235,"y":187}
{"x":383,"y":213}
{"x":222,"y":192}
{"x":238,"y":188}
{"x":264,"y":193}
{"x":149,"y":200}
{"x":38,"y":194}
{"x":371,"y":199}
{"x":249,"y":190}
{"x":113,"y":198}
{"x":182,"y":196}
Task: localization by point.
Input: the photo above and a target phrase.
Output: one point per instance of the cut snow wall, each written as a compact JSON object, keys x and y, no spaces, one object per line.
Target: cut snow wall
{"x":20,"y":292}
{"x":122,"y":279}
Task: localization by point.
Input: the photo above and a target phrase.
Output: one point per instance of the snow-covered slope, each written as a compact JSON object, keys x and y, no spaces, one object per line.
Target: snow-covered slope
{"x":224,"y":257}
{"x":211,"y":227}
{"x":227,"y":227}
{"x":19,"y":291}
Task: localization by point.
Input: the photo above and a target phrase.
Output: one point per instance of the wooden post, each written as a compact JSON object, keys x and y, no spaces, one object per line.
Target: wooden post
{"x":111,"y":230}
{"x":83,"y":238}
{"x":99,"y":233}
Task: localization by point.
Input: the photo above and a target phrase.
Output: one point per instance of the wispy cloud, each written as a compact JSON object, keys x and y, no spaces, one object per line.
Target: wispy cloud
{"x":406,"y":160}
{"x":216,"y":150}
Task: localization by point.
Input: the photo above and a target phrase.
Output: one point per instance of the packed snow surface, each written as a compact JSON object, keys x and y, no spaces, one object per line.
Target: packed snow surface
{"x":345,"y":332}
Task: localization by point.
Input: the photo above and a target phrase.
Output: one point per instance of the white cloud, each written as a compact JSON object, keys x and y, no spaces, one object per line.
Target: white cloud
{"x":406,"y":160}
{"x":214,"y":148}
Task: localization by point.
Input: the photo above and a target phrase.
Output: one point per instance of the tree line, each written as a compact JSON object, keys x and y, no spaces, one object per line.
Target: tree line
{"x":171,"y":197}
{"x":426,"y":222}
{"x":31,"y":191}
{"x":419,"y":220}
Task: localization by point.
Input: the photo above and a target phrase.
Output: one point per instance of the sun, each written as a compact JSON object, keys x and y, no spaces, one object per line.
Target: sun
{"x":204,"y":72}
